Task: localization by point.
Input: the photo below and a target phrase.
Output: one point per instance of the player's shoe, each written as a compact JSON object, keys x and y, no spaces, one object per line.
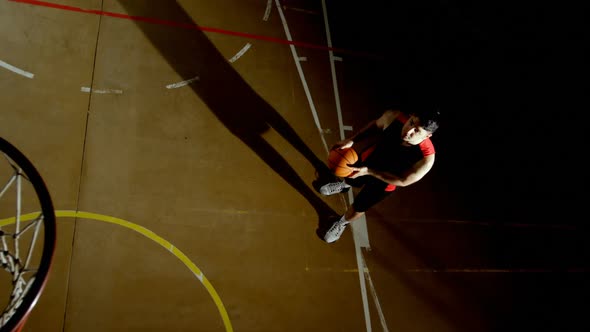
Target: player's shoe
{"x":336,"y":230}
{"x":334,"y":188}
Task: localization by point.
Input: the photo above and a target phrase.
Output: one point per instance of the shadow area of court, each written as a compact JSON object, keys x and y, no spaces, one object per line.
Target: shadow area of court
{"x":492,"y":70}
{"x":241,"y":110}
{"x":490,"y":277}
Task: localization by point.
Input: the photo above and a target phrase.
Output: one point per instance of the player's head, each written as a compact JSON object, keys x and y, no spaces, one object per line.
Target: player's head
{"x":429,"y":118}
{"x":423,"y":122}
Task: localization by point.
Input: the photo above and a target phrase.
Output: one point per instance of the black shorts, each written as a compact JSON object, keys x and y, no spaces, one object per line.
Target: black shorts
{"x":372,"y":192}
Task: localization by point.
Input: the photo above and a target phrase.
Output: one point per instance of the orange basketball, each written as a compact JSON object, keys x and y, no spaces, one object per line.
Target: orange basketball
{"x":338,"y":161}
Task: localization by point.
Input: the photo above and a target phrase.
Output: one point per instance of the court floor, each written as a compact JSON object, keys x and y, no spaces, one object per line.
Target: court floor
{"x":179,"y":140}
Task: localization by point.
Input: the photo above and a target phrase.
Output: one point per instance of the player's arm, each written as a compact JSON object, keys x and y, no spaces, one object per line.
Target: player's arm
{"x":417,"y":172}
{"x":373,"y":128}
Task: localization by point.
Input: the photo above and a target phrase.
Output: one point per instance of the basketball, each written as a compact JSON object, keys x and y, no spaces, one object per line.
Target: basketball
{"x":338,"y":161}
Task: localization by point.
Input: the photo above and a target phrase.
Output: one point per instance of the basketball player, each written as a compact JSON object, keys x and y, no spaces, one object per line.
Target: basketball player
{"x":394,"y":150}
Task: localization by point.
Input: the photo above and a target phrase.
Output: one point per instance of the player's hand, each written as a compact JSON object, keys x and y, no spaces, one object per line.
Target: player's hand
{"x":345,"y":144}
{"x":358,"y":171}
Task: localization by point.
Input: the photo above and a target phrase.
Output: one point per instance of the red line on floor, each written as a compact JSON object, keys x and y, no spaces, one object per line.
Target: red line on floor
{"x":191,"y":26}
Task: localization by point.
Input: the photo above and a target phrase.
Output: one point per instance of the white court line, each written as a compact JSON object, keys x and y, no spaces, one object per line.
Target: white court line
{"x":267,"y":11}
{"x":303,"y":81}
{"x":240,"y":53}
{"x":359,"y":227}
{"x":16,"y":70}
{"x":181,"y":84}
{"x":333,"y":71}
{"x":359,"y":264}
{"x":101,"y":91}
{"x":375,"y":298}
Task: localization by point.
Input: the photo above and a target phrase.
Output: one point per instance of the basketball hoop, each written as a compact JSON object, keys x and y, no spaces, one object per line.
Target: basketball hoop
{"x":27,"y":242}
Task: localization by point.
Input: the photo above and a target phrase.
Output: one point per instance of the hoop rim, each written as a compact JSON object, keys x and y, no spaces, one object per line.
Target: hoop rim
{"x":17,"y":321}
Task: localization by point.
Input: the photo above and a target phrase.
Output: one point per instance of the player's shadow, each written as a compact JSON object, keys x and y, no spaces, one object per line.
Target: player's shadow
{"x":246,"y":114}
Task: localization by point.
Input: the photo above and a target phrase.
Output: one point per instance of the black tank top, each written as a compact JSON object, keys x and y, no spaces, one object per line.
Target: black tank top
{"x":390,"y":155}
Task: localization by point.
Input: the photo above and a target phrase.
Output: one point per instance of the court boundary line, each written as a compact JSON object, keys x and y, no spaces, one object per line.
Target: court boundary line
{"x":359,"y":228}
{"x":302,"y":77}
{"x":194,"y":26}
{"x":150,"y":235}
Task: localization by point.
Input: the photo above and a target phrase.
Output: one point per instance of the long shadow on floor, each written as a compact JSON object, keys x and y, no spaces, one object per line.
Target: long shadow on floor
{"x":486,"y":300}
{"x":247,"y":115}
{"x":449,"y":298}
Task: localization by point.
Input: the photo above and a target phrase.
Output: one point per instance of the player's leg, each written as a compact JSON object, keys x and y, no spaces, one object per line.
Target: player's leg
{"x":372,"y":193}
{"x":340,"y":185}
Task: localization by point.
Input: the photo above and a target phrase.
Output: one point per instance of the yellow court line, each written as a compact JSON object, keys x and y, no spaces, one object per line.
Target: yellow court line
{"x":147,"y":233}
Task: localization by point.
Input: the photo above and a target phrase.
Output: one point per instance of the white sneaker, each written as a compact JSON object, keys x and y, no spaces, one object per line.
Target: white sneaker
{"x":335,"y":231}
{"x":334,"y":188}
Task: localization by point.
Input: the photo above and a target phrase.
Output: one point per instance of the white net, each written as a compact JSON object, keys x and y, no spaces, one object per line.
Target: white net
{"x":22,"y":237}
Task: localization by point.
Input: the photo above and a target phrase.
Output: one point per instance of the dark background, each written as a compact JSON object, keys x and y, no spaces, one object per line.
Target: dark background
{"x":509,"y":79}
{"x":501,"y":73}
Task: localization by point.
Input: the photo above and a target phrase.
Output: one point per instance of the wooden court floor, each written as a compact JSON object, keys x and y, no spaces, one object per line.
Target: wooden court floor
{"x":179,"y":140}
